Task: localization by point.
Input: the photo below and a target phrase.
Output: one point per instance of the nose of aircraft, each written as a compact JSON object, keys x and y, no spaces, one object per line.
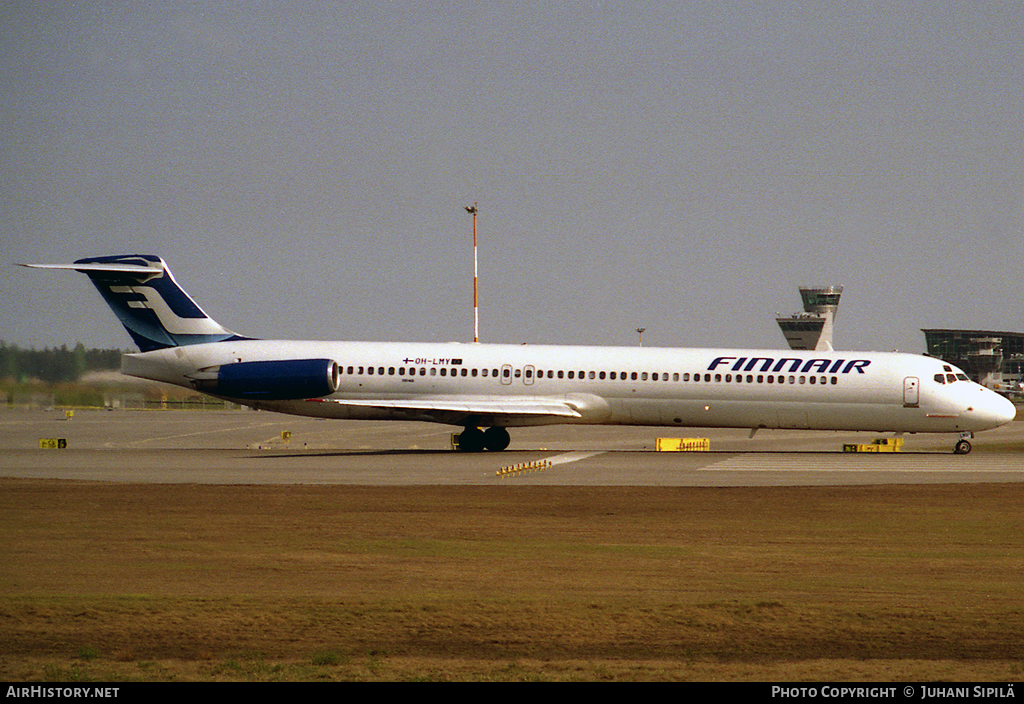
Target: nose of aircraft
{"x":997,"y":410}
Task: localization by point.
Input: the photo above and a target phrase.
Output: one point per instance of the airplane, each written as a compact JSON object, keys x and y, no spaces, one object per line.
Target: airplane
{"x":487,"y":388}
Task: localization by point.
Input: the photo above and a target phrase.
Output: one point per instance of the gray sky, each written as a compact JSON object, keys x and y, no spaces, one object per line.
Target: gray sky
{"x":303,"y":167}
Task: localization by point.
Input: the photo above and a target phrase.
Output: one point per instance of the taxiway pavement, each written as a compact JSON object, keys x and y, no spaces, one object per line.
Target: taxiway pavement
{"x":247,"y":447}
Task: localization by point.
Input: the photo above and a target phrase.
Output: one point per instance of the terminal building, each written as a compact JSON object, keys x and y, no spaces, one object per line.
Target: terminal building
{"x":992,"y":358}
{"x":812,"y":329}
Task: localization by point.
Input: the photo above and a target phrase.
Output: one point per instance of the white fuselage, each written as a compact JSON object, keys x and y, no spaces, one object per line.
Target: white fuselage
{"x":612,"y":385}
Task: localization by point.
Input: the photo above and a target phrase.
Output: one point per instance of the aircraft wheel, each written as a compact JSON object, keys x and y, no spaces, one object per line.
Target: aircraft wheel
{"x":496,"y":439}
{"x":471,"y":440}
{"x":962,"y":448}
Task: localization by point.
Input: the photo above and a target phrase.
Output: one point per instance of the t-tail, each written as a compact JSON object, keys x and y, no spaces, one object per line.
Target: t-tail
{"x":151,"y":305}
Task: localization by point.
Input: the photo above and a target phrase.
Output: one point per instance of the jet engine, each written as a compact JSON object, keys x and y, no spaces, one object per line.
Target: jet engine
{"x":284,"y":380}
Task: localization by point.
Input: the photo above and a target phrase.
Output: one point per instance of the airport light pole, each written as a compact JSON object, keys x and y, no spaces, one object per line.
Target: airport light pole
{"x":640,"y":332}
{"x":476,"y":311}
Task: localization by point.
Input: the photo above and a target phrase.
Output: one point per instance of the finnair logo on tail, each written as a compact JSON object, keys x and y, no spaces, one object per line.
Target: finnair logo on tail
{"x":772,"y":364}
{"x":147,"y":297}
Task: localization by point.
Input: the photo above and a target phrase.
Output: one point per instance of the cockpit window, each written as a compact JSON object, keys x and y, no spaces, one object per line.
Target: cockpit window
{"x":950,"y":377}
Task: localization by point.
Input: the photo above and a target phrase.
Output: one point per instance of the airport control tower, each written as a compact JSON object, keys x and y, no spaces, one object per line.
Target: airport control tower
{"x":812,"y":329}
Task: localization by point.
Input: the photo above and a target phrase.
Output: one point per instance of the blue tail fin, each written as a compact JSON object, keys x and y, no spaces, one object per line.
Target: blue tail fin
{"x":154,"y":310}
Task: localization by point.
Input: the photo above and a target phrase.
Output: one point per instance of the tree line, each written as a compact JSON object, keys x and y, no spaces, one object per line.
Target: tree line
{"x":55,"y":364}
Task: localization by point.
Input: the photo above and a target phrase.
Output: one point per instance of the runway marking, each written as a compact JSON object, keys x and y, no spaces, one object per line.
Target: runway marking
{"x":202,"y":432}
{"x":569,"y":457}
{"x":920,"y":463}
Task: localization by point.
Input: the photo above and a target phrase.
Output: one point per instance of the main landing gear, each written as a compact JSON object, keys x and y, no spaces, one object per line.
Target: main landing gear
{"x":963,"y":446}
{"x":474,"y":439}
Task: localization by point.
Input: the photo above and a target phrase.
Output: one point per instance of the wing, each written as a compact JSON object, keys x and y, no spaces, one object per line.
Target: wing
{"x":469,"y":410}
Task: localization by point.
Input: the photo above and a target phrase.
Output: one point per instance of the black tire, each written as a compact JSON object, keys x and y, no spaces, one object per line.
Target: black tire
{"x":471,"y":440}
{"x":496,"y":439}
{"x":962,"y":448}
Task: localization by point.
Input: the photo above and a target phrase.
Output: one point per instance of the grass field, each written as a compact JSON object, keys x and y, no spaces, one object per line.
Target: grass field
{"x":186,"y":582}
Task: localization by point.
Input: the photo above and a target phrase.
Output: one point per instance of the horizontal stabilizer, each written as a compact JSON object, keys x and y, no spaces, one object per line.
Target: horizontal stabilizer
{"x":113,"y":268}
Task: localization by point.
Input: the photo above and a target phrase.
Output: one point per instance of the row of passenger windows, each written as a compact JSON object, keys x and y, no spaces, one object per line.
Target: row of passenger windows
{"x":529,"y":374}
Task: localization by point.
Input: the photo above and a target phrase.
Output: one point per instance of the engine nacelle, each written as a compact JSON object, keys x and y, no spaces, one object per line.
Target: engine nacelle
{"x":285,"y":380}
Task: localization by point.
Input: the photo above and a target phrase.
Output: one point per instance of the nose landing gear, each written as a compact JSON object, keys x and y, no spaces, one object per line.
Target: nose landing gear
{"x":963,"y":446}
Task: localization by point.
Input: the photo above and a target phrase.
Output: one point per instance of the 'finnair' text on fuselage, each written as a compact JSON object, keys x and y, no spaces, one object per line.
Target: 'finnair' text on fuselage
{"x":770,"y":364}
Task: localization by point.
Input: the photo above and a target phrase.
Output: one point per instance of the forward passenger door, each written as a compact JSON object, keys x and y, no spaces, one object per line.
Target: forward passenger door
{"x":911,"y":392}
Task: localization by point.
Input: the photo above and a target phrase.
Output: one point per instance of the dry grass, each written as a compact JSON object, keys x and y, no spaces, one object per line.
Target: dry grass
{"x":166,"y":582}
